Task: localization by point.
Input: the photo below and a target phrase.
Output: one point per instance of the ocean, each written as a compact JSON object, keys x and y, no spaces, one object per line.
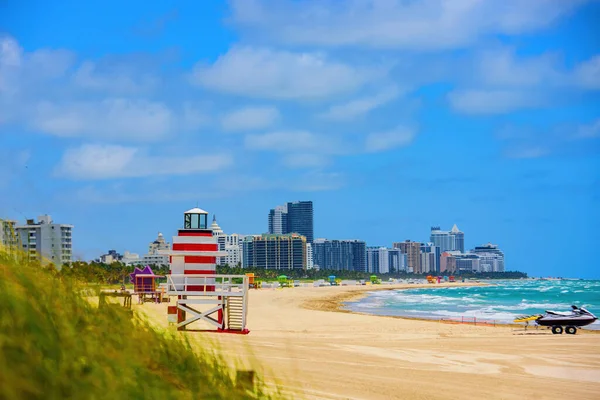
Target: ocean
{"x":501,"y":301}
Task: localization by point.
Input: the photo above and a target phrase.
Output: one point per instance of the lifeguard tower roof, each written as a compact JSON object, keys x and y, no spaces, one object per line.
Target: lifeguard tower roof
{"x":196,"y":211}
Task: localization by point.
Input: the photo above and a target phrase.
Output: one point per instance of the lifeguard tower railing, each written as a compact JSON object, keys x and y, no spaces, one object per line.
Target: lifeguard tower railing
{"x":229,"y":294}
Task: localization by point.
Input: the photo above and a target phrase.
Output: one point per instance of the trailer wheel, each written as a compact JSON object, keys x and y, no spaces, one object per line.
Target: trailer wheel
{"x":557,"y":330}
{"x":571,"y":330}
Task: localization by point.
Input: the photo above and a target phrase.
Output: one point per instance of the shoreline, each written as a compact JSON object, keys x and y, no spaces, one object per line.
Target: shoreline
{"x":335,"y":303}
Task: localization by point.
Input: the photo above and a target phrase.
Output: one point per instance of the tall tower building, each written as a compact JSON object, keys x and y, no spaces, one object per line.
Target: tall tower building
{"x":300,"y":219}
{"x":278,"y":220}
{"x":294,"y":217}
{"x":459,"y":239}
{"x":45,"y":239}
{"x":275,"y":251}
{"x":452,"y":240}
{"x":413,"y":255}
{"x":340,"y":255}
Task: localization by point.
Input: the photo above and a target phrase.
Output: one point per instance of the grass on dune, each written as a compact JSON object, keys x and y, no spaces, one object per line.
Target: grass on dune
{"x":54,"y":344}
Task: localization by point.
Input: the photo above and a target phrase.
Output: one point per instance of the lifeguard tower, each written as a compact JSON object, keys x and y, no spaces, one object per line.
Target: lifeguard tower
{"x":200,"y":292}
{"x":144,"y":285}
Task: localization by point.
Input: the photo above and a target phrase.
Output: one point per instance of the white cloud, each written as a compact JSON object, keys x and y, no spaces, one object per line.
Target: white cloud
{"x":116,"y":118}
{"x":113,"y":78}
{"x":498,"y":81}
{"x":317,"y":181}
{"x":587,"y":74}
{"x":493,"y":101}
{"x":589,"y":131}
{"x":20,"y":69}
{"x":10,"y":52}
{"x":381,"y":141}
{"x":360,"y":107}
{"x":426,"y":25}
{"x":89,"y":162}
{"x":528,"y":152}
{"x":283,"y":141}
{"x":249,"y":118}
{"x":266,"y":73}
{"x":503,"y":68}
{"x":296,"y":142}
{"x":305,"y":160}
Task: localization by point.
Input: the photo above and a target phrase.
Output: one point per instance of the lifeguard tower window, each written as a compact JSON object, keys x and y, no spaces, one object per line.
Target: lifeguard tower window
{"x":195,"y":221}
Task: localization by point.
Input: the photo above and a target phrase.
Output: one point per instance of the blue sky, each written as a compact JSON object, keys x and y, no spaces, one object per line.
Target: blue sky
{"x":391,"y":116}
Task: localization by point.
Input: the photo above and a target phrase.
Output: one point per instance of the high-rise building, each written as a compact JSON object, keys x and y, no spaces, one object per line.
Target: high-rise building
{"x":158,"y":244}
{"x":491,"y":258}
{"x":230,"y":244}
{"x":294,"y":217}
{"x":340,"y":255}
{"x":300,"y":219}
{"x":447,"y":263}
{"x":309,"y":256}
{"x":110,"y":257}
{"x":8,"y":236}
{"x":272,"y":251}
{"x":430,"y":258}
{"x":459,"y":239}
{"x":46,"y":240}
{"x":452,"y":240}
{"x":413,"y":255}
{"x":278,"y":220}
{"x":467,"y":262}
{"x":383,"y":260}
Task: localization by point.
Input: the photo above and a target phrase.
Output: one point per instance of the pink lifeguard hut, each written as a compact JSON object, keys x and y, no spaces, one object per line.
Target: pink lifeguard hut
{"x":144,"y":284}
{"x":200,"y":292}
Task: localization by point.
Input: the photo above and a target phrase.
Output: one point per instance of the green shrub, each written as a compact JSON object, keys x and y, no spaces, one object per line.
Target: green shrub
{"x":55,"y":344}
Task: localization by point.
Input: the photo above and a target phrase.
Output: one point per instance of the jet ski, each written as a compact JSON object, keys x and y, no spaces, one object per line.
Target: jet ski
{"x":572,"y":320}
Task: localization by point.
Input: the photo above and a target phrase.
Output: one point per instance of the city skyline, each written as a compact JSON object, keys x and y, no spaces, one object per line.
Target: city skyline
{"x":391,"y":118}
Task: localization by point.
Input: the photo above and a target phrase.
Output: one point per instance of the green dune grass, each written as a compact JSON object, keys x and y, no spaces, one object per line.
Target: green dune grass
{"x":55,"y":344}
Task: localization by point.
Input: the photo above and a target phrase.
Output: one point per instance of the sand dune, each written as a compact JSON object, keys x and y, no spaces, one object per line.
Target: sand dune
{"x":299,"y":342}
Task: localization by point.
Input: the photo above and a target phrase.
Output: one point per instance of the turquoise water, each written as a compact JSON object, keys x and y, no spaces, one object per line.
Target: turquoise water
{"x":502,"y":301}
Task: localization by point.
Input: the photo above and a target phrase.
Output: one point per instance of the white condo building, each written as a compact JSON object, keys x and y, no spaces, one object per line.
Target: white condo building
{"x":309,"y":256}
{"x":383,"y":260}
{"x":491,"y":258}
{"x":232,"y":244}
{"x":46,"y":240}
{"x":154,"y":255}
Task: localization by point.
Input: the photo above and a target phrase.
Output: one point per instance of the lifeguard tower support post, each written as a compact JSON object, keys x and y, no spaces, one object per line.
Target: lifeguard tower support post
{"x":194,"y":281}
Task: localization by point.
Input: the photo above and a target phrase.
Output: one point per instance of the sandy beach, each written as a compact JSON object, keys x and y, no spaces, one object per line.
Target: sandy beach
{"x":300,"y":341}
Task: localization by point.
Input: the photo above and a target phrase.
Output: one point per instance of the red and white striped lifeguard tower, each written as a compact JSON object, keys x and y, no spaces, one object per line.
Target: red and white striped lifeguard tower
{"x":200,"y":291}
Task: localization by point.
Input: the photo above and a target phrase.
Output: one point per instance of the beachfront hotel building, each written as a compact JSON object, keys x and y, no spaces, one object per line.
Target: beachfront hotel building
{"x":383,"y":260}
{"x":413,"y":255}
{"x":467,"y":262}
{"x":447,"y":263}
{"x":45,"y":240}
{"x":340,"y":255}
{"x":293,"y":217}
{"x":452,"y":240}
{"x":491,"y":258}
{"x":274,"y":251}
